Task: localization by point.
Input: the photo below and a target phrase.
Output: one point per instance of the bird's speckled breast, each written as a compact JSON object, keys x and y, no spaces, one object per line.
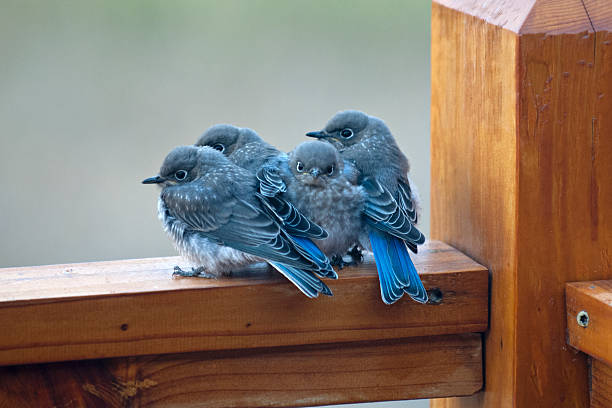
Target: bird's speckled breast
{"x":337,"y":208}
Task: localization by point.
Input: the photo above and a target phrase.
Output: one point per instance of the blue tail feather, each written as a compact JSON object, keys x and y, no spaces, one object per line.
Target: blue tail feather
{"x":396,"y":248}
{"x":396,"y":271}
{"x":390,"y":287}
{"x":416,"y":290}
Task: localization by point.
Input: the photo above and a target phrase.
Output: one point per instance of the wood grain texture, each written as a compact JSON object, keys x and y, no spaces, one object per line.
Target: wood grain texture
{"x":595,"y":298}
{"x":600,"y":14}
{"x":125,"y":308}
{"x":420,"y":367}
{"x":533,"y":16}
{"x":556,"y":17}
{"x":519,"y":125}
{"x":601,"y":380}
{"x":564,"y":217}
{"x":473,"y":148}
{"x":507,"y":14}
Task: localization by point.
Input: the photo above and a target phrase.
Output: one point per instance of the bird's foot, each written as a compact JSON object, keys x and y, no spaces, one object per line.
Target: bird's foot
{"x":337,"y":262}
{"x":356,"y":255}
{"x":199,"y":272}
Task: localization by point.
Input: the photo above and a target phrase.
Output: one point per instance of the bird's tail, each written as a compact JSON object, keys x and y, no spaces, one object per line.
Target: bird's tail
{"x":309,"y":284}
{"x":396,"y":271}
{"x":308,"y":249}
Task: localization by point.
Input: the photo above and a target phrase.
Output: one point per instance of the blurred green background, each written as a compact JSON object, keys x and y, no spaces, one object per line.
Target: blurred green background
{"x":93,"y":94}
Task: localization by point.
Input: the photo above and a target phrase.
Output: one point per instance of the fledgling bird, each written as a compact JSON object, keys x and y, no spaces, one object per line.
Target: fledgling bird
{"x":212,"y":211}
{"x":326,"y":191}
{"x":390,"y":209}
{"x":245,"y":148}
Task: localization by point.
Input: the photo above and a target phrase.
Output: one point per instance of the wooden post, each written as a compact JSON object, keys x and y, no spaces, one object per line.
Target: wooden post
{"x":521,"y":128}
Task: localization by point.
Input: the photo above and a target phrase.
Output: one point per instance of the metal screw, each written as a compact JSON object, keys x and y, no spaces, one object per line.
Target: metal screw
{"x":582,"y":318}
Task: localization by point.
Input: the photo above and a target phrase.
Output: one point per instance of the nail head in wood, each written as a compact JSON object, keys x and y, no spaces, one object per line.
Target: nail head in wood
{"x":582,"y":318}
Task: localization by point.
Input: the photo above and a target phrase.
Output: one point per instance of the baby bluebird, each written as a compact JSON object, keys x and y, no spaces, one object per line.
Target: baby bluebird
{"x":390,"y":210}
{"x":245,"y":148}
{"x":212,"y":211}
{"x":322,"y":188}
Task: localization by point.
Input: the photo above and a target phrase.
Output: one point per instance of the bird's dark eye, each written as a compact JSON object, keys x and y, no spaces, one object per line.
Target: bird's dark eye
{"x":330,"y":170}
{"x":300,"y":167}
{"x":346,"y":133}
{"x":219,"y":147}
{"x":180,"y":175}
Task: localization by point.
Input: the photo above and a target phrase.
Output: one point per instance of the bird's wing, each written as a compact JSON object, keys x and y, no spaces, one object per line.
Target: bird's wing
{"x":232,"y":221}
{"x":305,"y":281}
{"x":308,"y":248}
{"x":383,"y":212}
{"x":271,"y":185}
{"x":294,"y":222}
{"x":405,"y":201}
{"x":301,"y":230}
{"x":270,"y":181}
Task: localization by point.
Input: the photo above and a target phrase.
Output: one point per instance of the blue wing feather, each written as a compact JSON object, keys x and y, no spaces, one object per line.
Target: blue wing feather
{"x":318,"y":257}
{"x":308,"y":284}
{"x":270,"y":181}
{"x":384,"y":213}
{"x":294,"y":222}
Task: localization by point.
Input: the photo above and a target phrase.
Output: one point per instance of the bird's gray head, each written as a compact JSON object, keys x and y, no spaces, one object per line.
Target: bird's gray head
{"x":227,"y":138}
{"x":350,"y":127}
{"x":184,"y":164}
{"x":315,"y":163}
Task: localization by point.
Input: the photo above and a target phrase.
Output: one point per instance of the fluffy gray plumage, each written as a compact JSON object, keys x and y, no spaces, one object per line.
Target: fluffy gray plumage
{"x":243,"y":146}
{"x":211,"y":210}
{"x":389,"y":210}
{"x":368,"y":144}
{"x":325,"y":191}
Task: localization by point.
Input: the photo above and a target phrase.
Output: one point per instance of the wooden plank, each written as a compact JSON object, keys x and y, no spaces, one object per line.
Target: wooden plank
{"x":593,"y":334}
{"x":125,"y":308}
{"x":420,"y":367}
{"x":520,"y":178}
{"x":601,"y":384}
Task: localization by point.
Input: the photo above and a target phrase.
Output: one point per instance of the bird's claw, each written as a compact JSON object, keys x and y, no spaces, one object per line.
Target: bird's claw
{"x":337,"y":262}
{"x":199,"y":272}
{"x":356,"y":258}
{"x":356,"y":254}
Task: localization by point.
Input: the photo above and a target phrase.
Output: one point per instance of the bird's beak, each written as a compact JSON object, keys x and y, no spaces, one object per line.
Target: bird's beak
{"x":315,"y":172}
{"x":153,"y":180}
{"x":321,"y":134}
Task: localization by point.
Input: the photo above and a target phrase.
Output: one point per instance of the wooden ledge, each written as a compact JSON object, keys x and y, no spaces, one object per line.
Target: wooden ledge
{"x":135,"y":307}
{"x":593,"y":335}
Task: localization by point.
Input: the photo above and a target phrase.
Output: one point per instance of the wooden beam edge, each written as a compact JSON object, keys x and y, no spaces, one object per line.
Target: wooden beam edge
{"x":236,"y":315}
{"x":589,"y":318}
